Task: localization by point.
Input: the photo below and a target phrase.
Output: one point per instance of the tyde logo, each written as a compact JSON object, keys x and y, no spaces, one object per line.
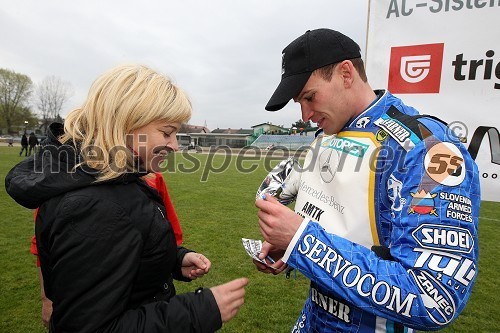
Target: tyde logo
{"x":416,"y":69}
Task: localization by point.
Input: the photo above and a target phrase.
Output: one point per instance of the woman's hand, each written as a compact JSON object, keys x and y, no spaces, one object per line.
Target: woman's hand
{"x":195,"y":265}
{"x":230,"y":297}
{"x":46,"y":311}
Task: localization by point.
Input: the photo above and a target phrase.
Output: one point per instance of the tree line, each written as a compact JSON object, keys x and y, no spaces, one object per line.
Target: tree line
{"x":24,"y":103}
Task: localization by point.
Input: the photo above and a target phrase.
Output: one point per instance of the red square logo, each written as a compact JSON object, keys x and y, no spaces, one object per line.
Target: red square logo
{"x":416,"y":69}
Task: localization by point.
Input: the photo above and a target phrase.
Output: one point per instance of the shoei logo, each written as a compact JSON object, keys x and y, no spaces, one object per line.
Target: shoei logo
{"x":416,"y":69}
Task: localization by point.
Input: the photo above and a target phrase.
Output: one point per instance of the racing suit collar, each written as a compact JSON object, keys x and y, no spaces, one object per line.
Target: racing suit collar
{"x":370,"y":110}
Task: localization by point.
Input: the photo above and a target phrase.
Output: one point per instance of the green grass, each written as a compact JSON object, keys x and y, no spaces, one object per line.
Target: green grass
{"x":214,"y":215}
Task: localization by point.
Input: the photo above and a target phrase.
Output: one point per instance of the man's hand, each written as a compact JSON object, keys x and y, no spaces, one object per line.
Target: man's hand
{"x":278,"y":223}
{"x":195,"y":265}
{"x":268,"y":250}
{"x":230,"y":297}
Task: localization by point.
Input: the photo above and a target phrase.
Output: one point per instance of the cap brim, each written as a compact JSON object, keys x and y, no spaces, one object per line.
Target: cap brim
{"x":288,"y":88}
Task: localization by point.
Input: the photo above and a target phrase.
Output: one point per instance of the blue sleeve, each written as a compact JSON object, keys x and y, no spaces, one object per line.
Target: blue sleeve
{"x":433,"y":243}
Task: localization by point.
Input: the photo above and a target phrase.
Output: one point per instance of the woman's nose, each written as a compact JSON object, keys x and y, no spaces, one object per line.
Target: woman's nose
{"x":173,"y":143}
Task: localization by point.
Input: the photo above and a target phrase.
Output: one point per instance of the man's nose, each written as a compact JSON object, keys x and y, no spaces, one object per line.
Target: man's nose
{"x":306,"y":113}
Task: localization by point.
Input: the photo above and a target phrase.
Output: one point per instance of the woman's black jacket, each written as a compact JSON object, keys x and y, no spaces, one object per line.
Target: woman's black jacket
{"x":107,"y":251}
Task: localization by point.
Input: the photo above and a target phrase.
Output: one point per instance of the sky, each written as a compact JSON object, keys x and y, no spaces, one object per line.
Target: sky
{"x":225,"y":54}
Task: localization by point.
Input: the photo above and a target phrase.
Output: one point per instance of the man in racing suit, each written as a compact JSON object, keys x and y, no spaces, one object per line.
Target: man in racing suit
{"x":388,"y":201}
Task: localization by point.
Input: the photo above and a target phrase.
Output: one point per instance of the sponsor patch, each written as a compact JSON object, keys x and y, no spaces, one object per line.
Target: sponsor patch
{"x":328,"y":163}
{"x":312,"y":211}
{"x":362,"y":122}
{"x":331,"y":305}
{"x":381,"y":135}
{"x":299,"y":325}
{"x":398,"y":131}
{"x":459,"y":206}
{"x":327,"y":261}
{"x":394,"y":187}
{"x":423,"y":203}
{"x":444,"y":163}
{"x":446,"y":238}
{"x":321,"y":196}
{"x":438,"y":302}
{"x":459,"y":269}
{"x":346,"y":145}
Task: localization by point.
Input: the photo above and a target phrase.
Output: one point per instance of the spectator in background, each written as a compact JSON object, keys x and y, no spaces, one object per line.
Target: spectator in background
{"x":24,"y":145}
{"x":33,"y":142}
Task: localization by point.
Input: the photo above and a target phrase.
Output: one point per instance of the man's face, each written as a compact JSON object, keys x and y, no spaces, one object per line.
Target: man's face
{"x":153,"y":142}
{"x":324,"y":103}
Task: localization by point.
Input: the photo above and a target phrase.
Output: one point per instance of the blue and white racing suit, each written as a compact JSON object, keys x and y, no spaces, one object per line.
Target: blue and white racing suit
{"x":389,"y":236}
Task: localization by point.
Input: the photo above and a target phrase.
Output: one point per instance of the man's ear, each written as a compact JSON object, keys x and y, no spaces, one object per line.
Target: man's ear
{"x":347,"y":71}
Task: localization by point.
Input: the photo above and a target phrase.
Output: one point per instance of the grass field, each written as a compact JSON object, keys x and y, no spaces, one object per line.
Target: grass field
{"x":215,"y":215}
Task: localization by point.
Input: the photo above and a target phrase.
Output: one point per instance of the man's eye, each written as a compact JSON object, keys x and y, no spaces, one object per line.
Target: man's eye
{"x":309,"y":98}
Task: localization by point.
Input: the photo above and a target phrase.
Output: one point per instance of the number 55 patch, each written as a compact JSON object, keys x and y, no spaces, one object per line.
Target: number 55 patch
{"x":444,"y":163}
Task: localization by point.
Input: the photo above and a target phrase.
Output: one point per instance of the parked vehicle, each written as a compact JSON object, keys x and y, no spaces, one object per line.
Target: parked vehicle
{"x":7,"y":138}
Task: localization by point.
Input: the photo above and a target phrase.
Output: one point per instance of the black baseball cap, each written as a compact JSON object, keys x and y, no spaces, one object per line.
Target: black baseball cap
{"x":313,"y":50}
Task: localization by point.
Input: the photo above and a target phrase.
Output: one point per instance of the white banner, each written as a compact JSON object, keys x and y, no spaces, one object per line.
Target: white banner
{"x":443,"y":58}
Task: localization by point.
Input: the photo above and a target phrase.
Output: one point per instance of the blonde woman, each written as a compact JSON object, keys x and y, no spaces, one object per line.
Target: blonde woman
{"x":107,"y":256}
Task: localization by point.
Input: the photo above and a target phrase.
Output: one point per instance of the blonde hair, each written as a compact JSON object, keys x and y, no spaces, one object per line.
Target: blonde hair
{"x":120,"y":101}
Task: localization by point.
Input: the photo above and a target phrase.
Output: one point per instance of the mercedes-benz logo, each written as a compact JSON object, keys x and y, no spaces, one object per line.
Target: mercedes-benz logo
{"x":329,"y":162}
